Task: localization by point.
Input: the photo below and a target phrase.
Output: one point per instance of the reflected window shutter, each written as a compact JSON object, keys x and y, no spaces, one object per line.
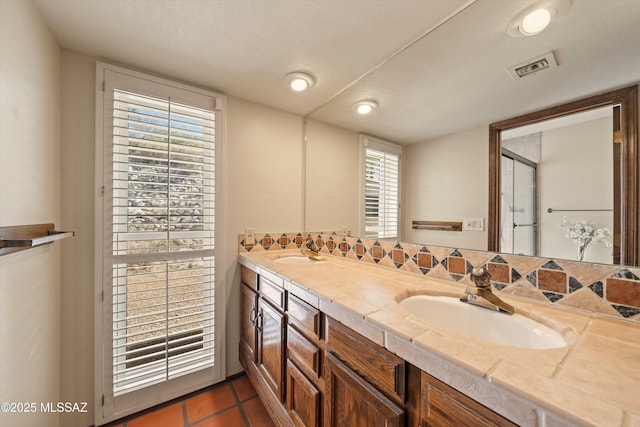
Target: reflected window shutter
{"x":382,"y":189}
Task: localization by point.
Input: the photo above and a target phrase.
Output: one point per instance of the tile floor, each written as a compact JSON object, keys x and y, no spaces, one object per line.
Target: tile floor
{"x":233,"y":403}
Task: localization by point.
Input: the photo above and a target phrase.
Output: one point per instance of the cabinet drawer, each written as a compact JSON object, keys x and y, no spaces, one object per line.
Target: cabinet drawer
{"x":303,"y":352}
{"x":381,"y":368}
{"x":249,"y":277}
{"x":443,"y":406}
{"x":306,"y":318}
{"x":273,"y":293}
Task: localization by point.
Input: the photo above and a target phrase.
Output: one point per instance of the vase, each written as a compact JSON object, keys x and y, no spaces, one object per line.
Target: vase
{"x":581,"y":250}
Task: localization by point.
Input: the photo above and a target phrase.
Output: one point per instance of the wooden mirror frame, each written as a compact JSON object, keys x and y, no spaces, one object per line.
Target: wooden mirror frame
{"x":627,"y":99}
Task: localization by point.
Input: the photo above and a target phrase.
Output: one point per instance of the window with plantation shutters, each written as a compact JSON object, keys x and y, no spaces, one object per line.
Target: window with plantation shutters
{"x":381,"y":189}
{"x":158,"y":232}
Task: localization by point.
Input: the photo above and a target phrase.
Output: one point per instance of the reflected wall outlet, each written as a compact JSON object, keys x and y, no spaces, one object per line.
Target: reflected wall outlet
{"x":473,"y":224}
{"x":249,"y":238}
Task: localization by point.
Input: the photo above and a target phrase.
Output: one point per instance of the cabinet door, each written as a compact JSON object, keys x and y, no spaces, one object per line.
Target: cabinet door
{"x":271,"y":335}
{"x":352,"y":402}
{"x":443,"y":406}
{"x":249,"y":310}
{"x":303,"y":398}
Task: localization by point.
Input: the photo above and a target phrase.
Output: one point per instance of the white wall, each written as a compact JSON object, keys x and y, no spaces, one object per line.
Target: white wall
{"x":447,"y":179}
{"x":77,"y":264}
{"x":29,"y":194}
{"x":264,"y":190}
{"x":332,"y":167}
{"x":575,"y":172}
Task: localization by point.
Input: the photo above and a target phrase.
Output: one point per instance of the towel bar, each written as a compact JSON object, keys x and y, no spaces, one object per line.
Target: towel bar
{"x":21,"y":237}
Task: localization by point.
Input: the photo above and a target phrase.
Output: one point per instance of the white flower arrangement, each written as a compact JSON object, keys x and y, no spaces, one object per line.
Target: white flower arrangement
{"x":582,"y":233}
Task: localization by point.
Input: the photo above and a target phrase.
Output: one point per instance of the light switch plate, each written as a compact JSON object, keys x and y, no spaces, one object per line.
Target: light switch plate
{"x":249,"y":238}
{"x":473,"y":224}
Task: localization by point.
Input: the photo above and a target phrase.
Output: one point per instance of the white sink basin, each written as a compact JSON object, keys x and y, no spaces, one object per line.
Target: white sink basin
{"x":297,"y":260}
{"x":483,"y":324}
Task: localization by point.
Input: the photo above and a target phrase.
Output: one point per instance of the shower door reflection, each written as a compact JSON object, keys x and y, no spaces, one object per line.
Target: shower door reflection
{"x":519,"y":222}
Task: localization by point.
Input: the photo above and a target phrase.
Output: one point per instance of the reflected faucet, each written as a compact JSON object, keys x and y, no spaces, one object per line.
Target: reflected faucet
{"x":482,"y":295}
{"x":311,"y":250}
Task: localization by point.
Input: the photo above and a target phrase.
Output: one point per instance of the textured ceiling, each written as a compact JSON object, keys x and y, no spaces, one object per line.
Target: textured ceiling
{"x":430,"y":79}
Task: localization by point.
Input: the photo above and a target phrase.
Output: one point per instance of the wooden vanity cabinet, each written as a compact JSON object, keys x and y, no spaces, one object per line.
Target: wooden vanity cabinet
{"x":312,"y":371}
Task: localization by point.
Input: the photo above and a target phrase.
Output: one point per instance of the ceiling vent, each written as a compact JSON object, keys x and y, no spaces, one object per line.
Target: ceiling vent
{"x":533,"y":66}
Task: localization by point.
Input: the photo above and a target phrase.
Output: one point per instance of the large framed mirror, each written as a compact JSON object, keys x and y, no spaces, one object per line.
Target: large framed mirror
{"x":622,"y":180}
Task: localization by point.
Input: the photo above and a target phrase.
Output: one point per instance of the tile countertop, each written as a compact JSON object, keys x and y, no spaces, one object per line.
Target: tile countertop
{"x":595,"y":380}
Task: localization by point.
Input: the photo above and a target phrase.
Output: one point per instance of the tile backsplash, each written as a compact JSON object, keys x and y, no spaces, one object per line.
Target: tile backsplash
{"x":606,"y":289}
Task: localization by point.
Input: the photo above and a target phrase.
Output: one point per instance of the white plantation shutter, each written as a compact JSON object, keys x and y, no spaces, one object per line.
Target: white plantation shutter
{"x":163,"y":207}
{"x":381,"y":189}
{"x":159,"y":240}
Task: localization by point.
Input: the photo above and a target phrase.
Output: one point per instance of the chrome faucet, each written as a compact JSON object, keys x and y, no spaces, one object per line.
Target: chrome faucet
{"x":481,"y":294}
{"x":311,"y":250}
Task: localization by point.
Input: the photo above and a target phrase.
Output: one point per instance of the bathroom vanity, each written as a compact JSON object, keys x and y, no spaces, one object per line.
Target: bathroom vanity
{"x":327,"y":344}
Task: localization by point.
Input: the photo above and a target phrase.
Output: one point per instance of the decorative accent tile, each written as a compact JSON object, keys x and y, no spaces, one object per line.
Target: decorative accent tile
{"x":359,"y":249}
{"x":553,"y":297}
{"x":533,"y":278}
{"x":625,"y":273}
{"x":553,"y":281}
{"x":626,"y":292}
{"x":344,"y":247}
{"x":597,"y":288}
{"x":331,"y":244}
{"x":377,"y":252}
{"x":515,"y":276}
{"x":283,"y":241}
{"x":398,"y":256}
{"x":551,"y":265}
{"x":424,"y":259}
{"x":498,"y":260}
{"x":499,"y":271}
{"x":457,"y":265}
{"x":574,"y":284}
{"x":469,"y":268}
{"x":456,"y":253}
{"x":626,"y":311}
{"x":266,"y":242}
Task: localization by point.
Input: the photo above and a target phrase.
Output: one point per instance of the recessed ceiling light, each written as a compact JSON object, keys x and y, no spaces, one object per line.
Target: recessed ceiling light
{"x":534,"y":19}
{"x":299,"y":81}
{"x":534,"y":22}
{"x":365,"y":106}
